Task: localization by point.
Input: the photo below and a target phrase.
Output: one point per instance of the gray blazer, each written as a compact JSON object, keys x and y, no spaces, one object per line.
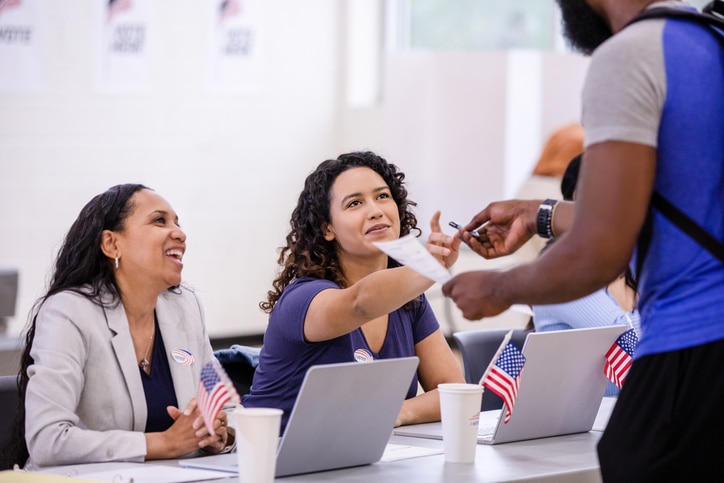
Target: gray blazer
{"x":85,"y":400}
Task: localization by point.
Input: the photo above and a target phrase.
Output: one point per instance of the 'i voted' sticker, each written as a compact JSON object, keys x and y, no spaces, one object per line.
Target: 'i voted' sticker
{"x":361,"y":355}
{"x":182,"y":356}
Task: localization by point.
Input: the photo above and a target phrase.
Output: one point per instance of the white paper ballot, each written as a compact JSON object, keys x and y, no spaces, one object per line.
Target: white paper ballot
{"x":408,"y":251}
{"x":395,"y":452}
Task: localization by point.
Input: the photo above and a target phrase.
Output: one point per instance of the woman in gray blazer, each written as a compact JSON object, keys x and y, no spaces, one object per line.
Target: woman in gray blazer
{"x":116,"y":345}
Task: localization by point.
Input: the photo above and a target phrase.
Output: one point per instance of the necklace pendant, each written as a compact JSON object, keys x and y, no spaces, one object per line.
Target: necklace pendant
{"x":144,"y":364}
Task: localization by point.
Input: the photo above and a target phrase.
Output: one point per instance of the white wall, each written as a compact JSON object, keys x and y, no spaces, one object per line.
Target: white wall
{"x":231,"y":165}
{"x":468,"y":128}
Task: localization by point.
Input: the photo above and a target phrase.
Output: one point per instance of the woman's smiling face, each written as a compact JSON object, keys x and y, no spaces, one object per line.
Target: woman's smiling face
{"x":361,"y":211}
{"x":151,"y":244}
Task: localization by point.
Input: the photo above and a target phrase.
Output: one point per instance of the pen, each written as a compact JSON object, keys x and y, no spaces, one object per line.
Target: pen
{"x":460,"y":227}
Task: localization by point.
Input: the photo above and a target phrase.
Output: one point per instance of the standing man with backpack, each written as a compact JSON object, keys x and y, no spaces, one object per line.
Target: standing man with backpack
{"x":653,"y":114}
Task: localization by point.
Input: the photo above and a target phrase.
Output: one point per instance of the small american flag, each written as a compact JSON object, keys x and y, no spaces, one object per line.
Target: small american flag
{"x":117,"y":6}
{"x":215,"y":390}
{"x":620,"y":357}
{"x":503,"y":377}
{"x":229,"y":8}
{"x":8,"y":4}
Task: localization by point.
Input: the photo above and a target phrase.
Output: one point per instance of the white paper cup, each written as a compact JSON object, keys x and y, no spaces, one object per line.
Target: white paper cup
{"x":257,"y":437}
{"x":460,"y":412}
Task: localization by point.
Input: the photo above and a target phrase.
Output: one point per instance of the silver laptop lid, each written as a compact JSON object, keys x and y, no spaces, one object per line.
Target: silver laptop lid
{"x":344,"y":415}
{"x":562,"y":383}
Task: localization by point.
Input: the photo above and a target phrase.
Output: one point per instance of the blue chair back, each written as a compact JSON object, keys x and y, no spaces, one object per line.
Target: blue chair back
{"x":239,"y":362}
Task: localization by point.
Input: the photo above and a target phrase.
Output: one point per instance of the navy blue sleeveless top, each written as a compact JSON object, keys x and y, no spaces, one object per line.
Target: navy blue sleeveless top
{"x":158,"y":387}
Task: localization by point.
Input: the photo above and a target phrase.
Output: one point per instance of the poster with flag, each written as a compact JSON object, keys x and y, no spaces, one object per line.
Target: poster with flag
{"x":23,"y":45}
{"x":8,"y":4}
{"x":620,"y":357}
{"x":215,"y":390}
{"x":124,"y":41}
{"x":236,"y":46}
{"x":503,"y":375}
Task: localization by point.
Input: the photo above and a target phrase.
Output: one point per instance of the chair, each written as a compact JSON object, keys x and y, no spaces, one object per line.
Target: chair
{"x":9,"y":401}
{"x":477,"y":348}
{"x":239,"y":362}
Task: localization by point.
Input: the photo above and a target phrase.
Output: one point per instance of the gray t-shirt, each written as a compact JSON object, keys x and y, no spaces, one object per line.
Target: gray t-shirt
{"x":625,"y":86}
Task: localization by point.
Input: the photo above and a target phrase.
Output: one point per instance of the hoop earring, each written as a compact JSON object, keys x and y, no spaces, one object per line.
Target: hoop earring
{"x":116,"y":263}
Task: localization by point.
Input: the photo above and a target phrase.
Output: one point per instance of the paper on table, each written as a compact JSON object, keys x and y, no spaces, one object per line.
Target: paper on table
{"x":22,"y":476}
{"x":394,"y":452}
{"x":408,"y":251}
{"x":150,"y":473}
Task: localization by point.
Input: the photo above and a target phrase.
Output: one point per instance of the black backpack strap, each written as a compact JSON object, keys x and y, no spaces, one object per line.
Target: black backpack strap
{"x":712,"y":15}
{"x":716,"y":7}
{"x":683,"y":222}
{"x":642,"y":245}
{"x":688,"y":226}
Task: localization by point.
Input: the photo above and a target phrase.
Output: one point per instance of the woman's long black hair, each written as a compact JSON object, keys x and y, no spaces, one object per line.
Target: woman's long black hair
{"x":81,"y":267}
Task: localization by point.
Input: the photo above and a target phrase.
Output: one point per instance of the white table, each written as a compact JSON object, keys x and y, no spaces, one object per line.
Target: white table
{"x":561,"y":459}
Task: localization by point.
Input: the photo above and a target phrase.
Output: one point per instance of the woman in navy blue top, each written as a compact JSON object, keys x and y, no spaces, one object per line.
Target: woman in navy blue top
{"x":339,"y":298}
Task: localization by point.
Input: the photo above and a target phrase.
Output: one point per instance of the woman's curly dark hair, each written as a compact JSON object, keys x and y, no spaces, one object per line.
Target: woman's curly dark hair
{"x":308,"y":253}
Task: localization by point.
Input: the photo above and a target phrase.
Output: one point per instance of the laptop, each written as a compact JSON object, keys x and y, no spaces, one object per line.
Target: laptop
{"x":343,"y":416}
{"x":560,"y":390}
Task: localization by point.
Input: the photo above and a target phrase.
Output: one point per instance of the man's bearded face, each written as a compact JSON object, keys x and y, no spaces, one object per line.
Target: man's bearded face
{"x":583,"y":28}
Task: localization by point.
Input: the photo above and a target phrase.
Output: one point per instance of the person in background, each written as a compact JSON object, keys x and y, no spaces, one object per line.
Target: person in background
{"x":339,"y":298}
{"x":653,"y":111}
{"x":116,"y":344}
{"x":565,"y":143}
{"x":613,"y":304}
{"x":545,"y":179}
